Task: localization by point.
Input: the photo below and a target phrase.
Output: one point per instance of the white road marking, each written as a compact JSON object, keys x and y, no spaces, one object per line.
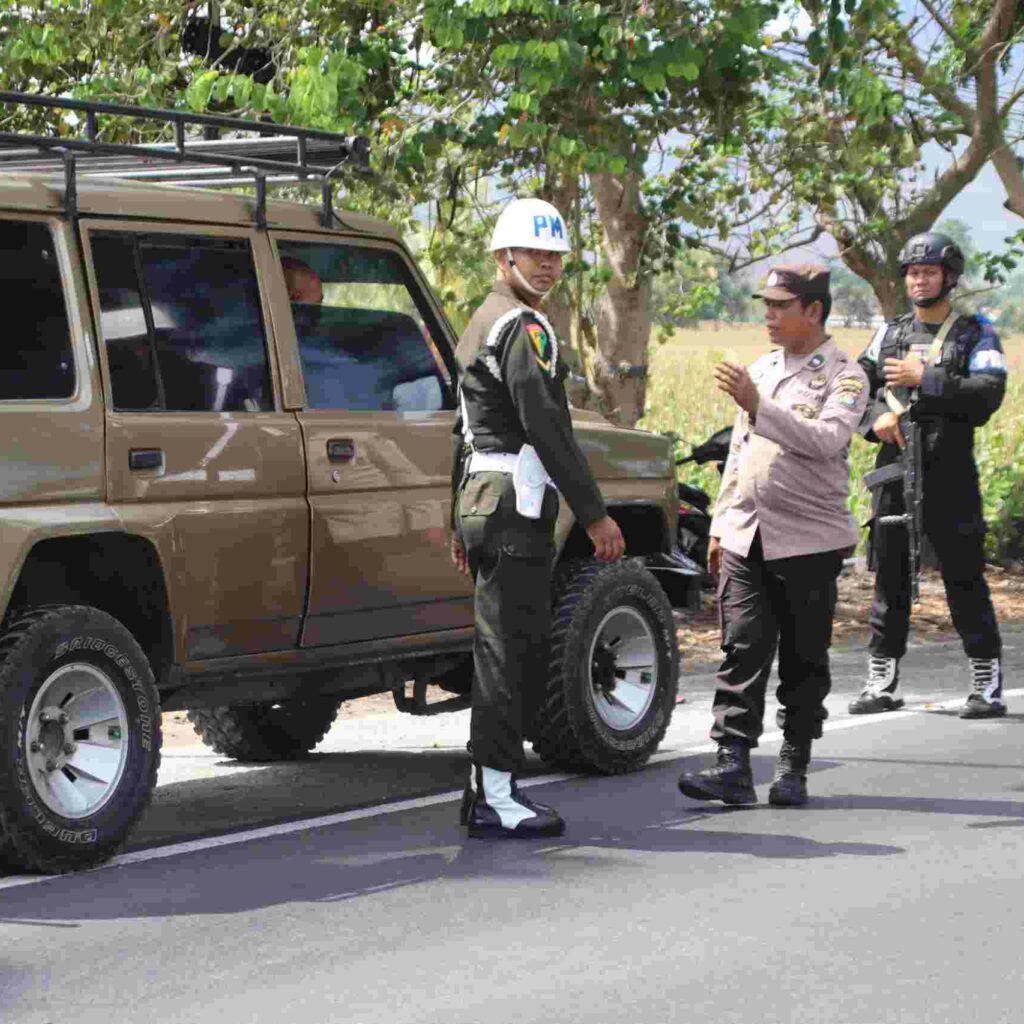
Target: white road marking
{"x":399,"y":806}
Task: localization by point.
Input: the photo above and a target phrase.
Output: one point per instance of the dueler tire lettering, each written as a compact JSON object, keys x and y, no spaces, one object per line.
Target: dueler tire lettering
{"x":572,"y":735}
{"x":33,"y":836}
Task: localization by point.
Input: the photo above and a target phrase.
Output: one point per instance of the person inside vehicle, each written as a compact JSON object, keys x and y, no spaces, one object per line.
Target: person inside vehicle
{"x":303,"y":282}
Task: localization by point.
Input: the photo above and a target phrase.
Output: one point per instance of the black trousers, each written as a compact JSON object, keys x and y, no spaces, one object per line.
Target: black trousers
{"x":953,"y":523}
{"x":510,"y":558}
{"x":785,"y":605}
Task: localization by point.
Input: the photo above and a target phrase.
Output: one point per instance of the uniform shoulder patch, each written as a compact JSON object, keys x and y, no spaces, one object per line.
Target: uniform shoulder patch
{"x":851,"y":383}
{"x":542,"y":341}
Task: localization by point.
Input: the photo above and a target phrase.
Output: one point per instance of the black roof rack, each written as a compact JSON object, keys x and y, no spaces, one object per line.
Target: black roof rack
{"x":255,"y":152}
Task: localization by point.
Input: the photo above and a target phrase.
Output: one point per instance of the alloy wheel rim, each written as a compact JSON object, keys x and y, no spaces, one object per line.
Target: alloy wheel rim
{"x":76,"y":740}
{"x":623,"y":668}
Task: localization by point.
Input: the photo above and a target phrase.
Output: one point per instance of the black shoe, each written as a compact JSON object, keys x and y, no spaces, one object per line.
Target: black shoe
{"x":729,"y":780}
{"x":789,"y":787}
{"x":880,"y":688}
{"x":986,"y":697}
{"x":500,"y":810}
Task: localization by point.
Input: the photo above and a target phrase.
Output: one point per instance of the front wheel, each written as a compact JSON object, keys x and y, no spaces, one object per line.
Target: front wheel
{"x":614,"y":669}
{"x":79,"y":738}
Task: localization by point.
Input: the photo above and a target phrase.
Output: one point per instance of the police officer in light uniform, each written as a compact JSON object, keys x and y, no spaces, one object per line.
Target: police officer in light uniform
{"x":516,"y":446}
{"x":953,"y":370}
{"x":779,"y":534}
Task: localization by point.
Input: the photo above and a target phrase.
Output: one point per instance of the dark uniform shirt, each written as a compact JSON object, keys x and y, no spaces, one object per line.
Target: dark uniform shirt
{"x":959,"y":391}
{"x":512,"y":393}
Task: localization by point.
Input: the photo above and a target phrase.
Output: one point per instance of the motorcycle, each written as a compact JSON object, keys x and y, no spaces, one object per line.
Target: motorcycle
{"x":694,"y":521}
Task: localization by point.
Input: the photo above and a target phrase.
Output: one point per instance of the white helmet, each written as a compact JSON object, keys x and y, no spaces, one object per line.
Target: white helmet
{"x":530,"y":224}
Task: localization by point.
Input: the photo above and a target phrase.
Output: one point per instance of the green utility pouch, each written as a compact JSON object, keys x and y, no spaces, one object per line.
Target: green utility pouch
{"x":482,"y":494}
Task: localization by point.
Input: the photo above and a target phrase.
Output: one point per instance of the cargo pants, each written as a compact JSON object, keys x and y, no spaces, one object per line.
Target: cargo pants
{"x":955,"y":526}
{"x":510,"y":559}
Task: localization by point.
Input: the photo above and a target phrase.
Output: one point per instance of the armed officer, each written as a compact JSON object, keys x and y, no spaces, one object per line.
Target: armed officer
{"x":515,"y":447}
{"x":950,"y":370}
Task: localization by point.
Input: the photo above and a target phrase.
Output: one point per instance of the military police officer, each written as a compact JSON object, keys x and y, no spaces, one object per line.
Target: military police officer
{"x":951,"y":371}
{"x":516,"y":447}
{"x":779,"y":533}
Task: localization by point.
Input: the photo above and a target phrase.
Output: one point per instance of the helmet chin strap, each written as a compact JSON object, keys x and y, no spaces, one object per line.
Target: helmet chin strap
{"x":521,"y":281}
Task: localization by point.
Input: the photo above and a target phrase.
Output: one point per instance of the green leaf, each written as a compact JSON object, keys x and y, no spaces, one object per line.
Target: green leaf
{"x":197,"y":95}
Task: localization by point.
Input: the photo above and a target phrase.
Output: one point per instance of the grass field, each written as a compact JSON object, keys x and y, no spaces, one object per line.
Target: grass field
{"x":681,"y":398}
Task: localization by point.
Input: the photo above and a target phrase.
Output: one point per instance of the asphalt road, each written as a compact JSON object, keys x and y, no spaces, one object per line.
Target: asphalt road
{"x":894,"y":897}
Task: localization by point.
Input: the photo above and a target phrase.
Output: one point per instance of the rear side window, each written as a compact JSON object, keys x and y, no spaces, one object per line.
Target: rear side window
{"x":35,"y":348}
{"x":182,"y":323}
{"x":366,"y":335}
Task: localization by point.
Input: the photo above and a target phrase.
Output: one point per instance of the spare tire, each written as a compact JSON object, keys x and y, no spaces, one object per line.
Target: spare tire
{"x":266,"y":731}
{"x":614,"y":669}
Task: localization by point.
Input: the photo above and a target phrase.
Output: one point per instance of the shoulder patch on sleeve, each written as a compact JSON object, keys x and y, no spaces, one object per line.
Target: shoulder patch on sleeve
{"x":986,"y":360}
{"x":853,"y":383}
{"x":986,"y":353}
{"x":542,"y":340}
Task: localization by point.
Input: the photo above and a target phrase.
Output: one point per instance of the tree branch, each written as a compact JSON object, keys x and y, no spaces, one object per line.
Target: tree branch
{"x":945,"y":26}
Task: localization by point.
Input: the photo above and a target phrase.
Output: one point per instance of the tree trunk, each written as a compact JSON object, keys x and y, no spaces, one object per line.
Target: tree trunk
{"x":886,"y":283}
{"x":1004,"y":160}
{"x":883,"y":275}
{"x":558,"y":308}
{"x":624,"y":313}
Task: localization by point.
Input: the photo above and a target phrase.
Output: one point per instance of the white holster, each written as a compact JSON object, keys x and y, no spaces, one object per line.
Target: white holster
{"x":529,"y":478}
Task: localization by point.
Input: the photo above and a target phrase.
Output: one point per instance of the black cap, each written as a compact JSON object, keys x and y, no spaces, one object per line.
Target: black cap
{"x":789,"y":281}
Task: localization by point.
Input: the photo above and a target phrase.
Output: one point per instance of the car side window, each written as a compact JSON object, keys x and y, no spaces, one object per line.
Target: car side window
{"x":35,"y":358}
{"x":181,"y":318}
{"x":366,"y":335}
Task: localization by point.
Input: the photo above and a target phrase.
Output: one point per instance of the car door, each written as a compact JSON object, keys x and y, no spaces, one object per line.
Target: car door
{"x":199,"y":451}
{"x":377,"y":427}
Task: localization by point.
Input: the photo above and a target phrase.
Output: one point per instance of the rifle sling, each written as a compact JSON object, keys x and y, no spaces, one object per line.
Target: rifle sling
{"x":884,"y":475}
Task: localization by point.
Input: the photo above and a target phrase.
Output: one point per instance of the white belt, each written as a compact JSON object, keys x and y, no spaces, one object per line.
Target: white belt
{"x":529,"y":477}
{"x":492,"y":462}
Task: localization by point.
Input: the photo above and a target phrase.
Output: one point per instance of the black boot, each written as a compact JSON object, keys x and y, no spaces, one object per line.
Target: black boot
{"x":789,"y":787}
{"x":729,"y":780}
{"x":498,"y":809}
{"x":986,"y":697}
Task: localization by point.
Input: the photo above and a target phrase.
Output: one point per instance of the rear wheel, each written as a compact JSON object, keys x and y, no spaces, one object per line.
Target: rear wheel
{"x":266,"y":731}
{"x":79,"y":738}
{"x":614,"y":669}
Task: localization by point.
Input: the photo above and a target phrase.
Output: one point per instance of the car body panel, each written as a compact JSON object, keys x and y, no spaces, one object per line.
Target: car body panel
{"x":267,"y":546}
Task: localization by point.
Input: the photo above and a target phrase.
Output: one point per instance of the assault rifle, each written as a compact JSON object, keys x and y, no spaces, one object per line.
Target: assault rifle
{"x":908,"y":470}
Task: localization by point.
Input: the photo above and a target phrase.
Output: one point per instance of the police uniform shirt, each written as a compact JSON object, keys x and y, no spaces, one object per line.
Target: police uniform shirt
{"x":787,"y":475}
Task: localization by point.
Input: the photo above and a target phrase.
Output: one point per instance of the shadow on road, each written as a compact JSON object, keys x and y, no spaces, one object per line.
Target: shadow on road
{"x":623,"y":820}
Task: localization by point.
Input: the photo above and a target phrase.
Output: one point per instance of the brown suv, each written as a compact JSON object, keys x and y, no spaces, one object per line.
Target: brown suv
{"x":218,"y":499}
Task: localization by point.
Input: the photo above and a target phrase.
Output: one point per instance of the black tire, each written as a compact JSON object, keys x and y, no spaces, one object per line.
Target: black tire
{"x":572,"y":733}
{"x":266,"y":731}
{"x":78,"y":652}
